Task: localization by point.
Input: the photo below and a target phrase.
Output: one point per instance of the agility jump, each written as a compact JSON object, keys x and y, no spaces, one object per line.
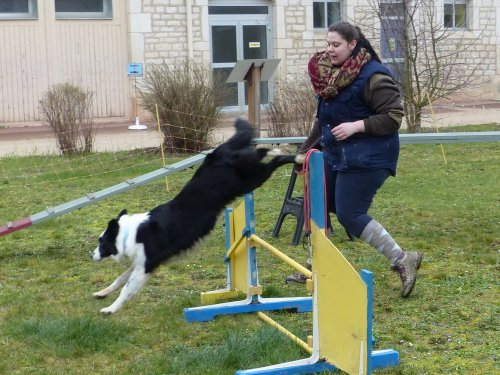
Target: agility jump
{"x":341,"y":298}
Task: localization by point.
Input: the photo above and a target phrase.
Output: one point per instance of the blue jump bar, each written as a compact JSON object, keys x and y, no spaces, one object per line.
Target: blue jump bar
{"x":207,"y":313}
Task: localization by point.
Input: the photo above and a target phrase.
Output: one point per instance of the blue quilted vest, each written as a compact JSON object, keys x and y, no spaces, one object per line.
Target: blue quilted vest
{"x":361,"y":150}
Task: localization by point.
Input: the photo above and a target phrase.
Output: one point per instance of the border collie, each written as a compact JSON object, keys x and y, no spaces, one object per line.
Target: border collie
{"x":148,"y":239}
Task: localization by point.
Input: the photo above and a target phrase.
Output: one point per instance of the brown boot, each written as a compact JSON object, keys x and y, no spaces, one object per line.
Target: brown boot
{"x":407,"y":268}
{"x":298,"y":277}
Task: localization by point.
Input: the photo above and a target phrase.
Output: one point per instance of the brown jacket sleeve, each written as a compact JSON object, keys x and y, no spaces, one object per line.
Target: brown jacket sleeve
{"x":383,"y":97}
{"x":312,"y":140}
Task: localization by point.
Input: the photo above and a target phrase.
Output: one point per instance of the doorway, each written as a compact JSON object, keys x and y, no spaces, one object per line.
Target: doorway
{"x":392,"y":37}
{"x":239,"y":33}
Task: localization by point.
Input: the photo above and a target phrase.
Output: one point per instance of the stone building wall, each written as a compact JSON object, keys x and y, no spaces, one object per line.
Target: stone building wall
{"x":473,"y":53}
{"x":159,"y":32}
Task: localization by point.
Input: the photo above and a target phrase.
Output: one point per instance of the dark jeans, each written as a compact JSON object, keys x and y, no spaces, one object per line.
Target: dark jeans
{"x":350,"y":195}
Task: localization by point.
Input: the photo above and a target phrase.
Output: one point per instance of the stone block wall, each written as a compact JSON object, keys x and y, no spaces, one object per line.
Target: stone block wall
{"x":159,"y":32}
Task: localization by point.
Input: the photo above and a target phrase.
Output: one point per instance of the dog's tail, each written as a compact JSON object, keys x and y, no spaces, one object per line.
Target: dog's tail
{"x":243,"y":136}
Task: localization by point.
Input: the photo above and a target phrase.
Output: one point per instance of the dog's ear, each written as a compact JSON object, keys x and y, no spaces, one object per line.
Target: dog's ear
{"x":107,"y":242}
{"x":123,"y":212}
{"x":113,"y":227}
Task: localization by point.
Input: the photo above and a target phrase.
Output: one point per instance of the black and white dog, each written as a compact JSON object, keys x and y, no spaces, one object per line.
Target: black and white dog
{"x":233,"y":169}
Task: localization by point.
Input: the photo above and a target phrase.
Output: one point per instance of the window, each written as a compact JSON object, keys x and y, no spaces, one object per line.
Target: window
{"x":325,"y":13}
{"x":455,"y":14}
{"x":88,"y":9}
{"x":16,"y":9}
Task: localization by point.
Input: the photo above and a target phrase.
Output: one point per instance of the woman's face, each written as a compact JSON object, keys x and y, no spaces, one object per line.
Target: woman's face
{"x":338,"y":48}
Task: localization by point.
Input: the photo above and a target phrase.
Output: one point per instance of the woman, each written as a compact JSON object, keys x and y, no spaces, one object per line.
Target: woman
{"x":359,"y":114}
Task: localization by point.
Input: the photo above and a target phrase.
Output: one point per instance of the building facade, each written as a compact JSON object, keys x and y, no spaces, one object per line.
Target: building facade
{"x":43,"y":42}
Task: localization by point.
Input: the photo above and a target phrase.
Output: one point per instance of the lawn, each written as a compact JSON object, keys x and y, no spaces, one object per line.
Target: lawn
{"x":49,"y":321}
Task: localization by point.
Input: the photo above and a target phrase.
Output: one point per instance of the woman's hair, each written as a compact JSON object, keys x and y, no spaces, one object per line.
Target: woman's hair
{"x":349,"y":32}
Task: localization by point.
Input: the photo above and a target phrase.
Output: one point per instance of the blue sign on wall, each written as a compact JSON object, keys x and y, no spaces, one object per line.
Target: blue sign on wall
{"x":134,"y":70}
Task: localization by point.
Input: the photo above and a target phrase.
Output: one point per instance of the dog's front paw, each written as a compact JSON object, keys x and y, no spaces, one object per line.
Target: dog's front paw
{"x":99,"y":295}
{"x":299,"y":159}
{"x":107,"y":311}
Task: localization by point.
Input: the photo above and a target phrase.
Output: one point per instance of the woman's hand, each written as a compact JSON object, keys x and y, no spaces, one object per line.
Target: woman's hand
{"x":346,"y":129}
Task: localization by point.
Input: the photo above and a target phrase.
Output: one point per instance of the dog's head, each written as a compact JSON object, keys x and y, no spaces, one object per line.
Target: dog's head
{"x":107,"y":240}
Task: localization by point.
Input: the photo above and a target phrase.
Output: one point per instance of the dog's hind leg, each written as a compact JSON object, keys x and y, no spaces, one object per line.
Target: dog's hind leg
{"x":119,"y":282}
{"x":135,"y":283}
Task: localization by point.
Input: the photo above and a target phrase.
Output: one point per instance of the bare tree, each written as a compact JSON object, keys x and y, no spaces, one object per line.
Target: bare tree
{"x":427,"y":52}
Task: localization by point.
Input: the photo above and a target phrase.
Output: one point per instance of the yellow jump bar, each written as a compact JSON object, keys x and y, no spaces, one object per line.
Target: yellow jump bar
{"x":234,"y":246}
{"x":282,"y":256}
{"x":283,"y":330}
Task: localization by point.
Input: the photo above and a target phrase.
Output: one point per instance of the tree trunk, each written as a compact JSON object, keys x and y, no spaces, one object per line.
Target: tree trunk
{"x":413,"y":117}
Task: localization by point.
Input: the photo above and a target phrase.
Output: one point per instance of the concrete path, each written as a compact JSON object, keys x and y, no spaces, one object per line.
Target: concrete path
{"x":37,"y":139}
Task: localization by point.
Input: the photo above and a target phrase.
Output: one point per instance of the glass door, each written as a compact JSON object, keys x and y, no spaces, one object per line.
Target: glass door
{"x":239,"y":40}
{"x":224,"y":56}
{"x":255,"y":47}
{"x":392,"y":37}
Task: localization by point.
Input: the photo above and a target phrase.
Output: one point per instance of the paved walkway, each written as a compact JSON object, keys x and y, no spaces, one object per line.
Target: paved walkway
{"x":37,"y":139}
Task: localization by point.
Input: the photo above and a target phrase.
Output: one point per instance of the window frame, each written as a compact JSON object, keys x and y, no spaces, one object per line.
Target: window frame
{"x":32,"y":13}
{"x":325,"y":10}
{"x":453,"y":4}
{"x":106,"y":14}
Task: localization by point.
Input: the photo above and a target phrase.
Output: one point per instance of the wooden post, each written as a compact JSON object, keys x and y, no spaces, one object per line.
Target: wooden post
{"x":253,"y":71}
{"x":253,"y":78}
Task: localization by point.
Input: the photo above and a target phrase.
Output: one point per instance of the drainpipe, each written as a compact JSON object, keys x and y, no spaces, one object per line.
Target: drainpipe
{"x":189,"y":21}
{"x":496,"y":79}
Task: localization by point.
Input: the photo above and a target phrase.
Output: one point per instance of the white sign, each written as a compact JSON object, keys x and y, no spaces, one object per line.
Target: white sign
{"x":253,"y":44}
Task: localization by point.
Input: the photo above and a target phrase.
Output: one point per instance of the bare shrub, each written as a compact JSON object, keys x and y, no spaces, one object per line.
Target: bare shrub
{"x":292,"y":111}
{"x":68,"y":110}
{"x":189,"y":98}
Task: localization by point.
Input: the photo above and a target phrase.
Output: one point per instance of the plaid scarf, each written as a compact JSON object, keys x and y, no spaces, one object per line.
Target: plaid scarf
{"x":328,"y":80}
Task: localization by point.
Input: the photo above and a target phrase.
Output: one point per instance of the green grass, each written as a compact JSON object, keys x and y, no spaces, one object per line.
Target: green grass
{"x":68,"y":337}
{"x":49,"y":322}
{"x":493,"y":126}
